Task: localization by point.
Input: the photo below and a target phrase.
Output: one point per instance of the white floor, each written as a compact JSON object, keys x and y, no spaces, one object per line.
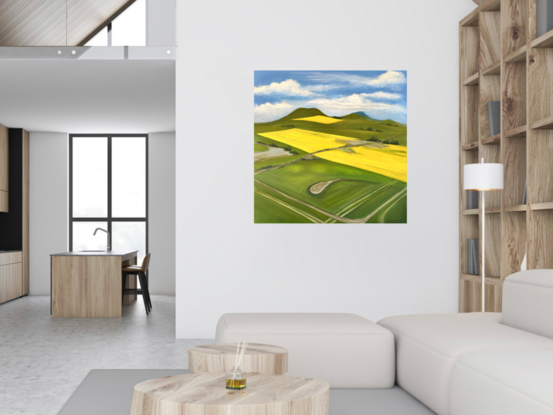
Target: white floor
{"x":43,"y":360}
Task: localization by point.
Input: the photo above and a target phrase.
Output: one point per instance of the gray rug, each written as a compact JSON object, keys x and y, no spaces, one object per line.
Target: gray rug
{"x":109,"y":392}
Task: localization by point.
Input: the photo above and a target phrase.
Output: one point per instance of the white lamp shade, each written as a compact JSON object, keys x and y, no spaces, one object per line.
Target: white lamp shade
{"x":483,"y":176}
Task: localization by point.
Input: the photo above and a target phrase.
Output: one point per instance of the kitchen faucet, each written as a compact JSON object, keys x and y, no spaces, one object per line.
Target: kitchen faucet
{"x":109,"y":237}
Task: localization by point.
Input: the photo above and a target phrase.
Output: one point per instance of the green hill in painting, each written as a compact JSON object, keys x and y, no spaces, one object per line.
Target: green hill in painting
{"x":354,"y":125}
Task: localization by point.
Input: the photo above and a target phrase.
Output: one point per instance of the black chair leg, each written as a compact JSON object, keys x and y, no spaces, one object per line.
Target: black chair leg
{"x":146,"y":289}
{"x":123,"y":290}
{"x":143,"y":296}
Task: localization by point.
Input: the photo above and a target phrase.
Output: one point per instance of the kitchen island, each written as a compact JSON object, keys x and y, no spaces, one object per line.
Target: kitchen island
{"x":88,"y":284}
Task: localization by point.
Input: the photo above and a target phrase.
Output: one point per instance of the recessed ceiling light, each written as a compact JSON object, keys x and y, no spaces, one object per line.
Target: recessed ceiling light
{"x":168,"y":52}
{"x":59,"y":52}
{"x":73,"y":52}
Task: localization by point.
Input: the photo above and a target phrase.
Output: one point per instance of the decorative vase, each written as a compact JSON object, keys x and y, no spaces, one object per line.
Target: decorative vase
{"x":236,"y":379}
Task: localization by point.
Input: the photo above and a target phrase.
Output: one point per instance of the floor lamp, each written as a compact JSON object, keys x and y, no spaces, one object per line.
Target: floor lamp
{"x":483,"y":177}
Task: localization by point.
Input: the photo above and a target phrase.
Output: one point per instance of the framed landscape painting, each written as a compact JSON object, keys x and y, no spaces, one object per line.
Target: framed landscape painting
{"x":330,"y":147}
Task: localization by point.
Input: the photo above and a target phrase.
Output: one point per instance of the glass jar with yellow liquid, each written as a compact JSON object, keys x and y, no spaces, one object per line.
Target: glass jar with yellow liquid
{"x":236,"y":379}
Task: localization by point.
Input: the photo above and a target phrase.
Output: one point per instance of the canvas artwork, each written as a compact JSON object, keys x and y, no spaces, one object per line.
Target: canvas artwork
{"x":330,"y":147}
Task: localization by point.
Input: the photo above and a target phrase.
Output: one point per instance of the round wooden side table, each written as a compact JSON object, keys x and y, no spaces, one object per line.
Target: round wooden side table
{"x":205,"y":394}
{"x":259,"y":358}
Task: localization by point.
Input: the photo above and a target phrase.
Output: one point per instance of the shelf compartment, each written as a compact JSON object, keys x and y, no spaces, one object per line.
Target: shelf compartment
{"x":543,"y":124}
{"x":489,"y":26}
{"x":540,"y":173}
{"x":469,"y":40}
{"x":472,"y":80}
{"x":471,"y":146}
{"x":541,"y":206}
{"x":514,"y":161}
{"x":513,"y":100}
{"x":473,"y":18}
{"x":494,"y":69}
{"x":519,"y":132}
{"x":518,"y":56}
{"x":494,"y":139}
{"x":515,"y":208}
{"x":543,"y":42}
{"x":513,"y":244}
{"x":540,"y":254}
{"x":468,"y":212}
{"x":513,"y":24}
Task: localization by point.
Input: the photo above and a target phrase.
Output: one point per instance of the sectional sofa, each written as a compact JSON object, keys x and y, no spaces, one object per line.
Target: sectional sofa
{"x":455,"y":364}
{"x":482,"y":363}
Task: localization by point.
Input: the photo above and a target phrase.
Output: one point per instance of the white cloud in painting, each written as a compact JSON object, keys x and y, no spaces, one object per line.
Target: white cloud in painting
{"x":288,"y":87}
{"x":387,"y":79}
{"x":353,"y":103}
{"x":270,"y":112}
{"x":383,"y":95}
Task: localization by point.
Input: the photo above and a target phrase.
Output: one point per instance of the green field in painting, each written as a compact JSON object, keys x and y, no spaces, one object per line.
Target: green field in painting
{"x":296,"y":179}
{"x":259,"y":148}
{"x":283,"y":182}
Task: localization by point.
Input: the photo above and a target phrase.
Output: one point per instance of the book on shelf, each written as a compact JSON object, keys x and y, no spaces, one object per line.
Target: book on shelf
{"x":544,"y":17}
{"x":494,"y":119}
{"x":472,"y":199}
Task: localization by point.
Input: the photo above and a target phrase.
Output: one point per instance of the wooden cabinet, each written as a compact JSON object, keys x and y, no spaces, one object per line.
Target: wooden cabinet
{"x":14,"y":225}
{"x":4,"y":168}
{"x":11,"y":281}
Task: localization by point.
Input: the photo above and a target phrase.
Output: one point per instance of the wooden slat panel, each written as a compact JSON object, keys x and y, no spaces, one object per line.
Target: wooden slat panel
{"x":10,"y":282}
{"x":4,"y":159}
{"x":11,"y":258}
{"x":4,"y":201}
{"x":25,"y":272}
{"x":32,"y":23}
{"x":85,"y":18}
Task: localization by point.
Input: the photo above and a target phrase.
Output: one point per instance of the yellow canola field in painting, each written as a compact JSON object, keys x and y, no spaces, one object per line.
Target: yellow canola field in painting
{"x":390,"y":161}
{"x":320,"y":119}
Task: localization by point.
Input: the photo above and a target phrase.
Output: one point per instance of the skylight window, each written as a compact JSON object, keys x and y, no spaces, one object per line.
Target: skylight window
{"x":128,"y":29}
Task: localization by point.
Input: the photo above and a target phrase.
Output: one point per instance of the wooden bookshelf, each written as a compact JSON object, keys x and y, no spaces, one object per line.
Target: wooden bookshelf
{"x":498,"y":44}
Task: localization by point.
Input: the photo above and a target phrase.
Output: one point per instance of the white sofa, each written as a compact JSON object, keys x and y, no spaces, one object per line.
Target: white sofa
{"x":482,"y":363}
{"x":345,"y":350}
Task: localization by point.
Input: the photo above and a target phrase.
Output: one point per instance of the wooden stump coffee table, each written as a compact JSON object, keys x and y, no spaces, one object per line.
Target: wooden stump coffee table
{"x":259,"y":358}
{"x":205,"y":394}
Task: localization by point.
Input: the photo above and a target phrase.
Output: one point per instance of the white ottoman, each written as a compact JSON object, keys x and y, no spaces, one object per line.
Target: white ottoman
{"x":346,"y":350}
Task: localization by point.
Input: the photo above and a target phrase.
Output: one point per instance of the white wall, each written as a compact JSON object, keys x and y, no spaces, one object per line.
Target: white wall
{"x":49,"y":212}
{"x":160,"y":22}
{"x":162,"y":212}
{"x":225,"y":263}
{"x":48,"y":220}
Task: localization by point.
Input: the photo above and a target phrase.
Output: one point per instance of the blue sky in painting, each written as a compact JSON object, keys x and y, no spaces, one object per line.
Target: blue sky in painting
{"x":380,"y":94}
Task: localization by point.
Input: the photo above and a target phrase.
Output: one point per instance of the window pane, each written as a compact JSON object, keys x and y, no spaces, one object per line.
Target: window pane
{"x":129,"y":28}
{"x":90,"y":177}
{"x":101,"y":38}
{"x":128,"y":156}
{"x":130,"y":236}
{"x":84,"y":238}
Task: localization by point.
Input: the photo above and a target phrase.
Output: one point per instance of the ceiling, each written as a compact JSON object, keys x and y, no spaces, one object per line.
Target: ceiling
{"x":55,"y":22}
{"x":88,"y":96}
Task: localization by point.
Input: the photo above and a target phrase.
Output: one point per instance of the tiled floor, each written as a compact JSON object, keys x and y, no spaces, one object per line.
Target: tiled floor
{"x":43,"y":360}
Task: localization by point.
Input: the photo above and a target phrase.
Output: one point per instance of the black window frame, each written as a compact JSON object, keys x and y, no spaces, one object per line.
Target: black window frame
{"x":109,"y":218}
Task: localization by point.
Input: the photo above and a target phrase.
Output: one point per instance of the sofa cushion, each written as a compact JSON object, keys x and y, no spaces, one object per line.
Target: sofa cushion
{"x":346,"y":350}
{"x":528,"y":301}
{"x":503,"y":382}
{"x":427,"y":347}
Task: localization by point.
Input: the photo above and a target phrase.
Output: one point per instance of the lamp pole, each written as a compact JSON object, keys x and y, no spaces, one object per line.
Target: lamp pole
{"x":483,"y":193}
